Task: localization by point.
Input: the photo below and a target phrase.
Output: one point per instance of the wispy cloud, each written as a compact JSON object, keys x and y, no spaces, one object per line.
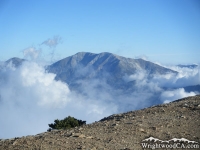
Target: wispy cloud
{"x":52,"y":42}
{"x":171,"y":95}
{"x":31,"y":53}
{"x":144,"y":57}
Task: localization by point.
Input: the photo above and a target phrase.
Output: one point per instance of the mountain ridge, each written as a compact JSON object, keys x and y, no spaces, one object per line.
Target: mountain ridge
{"x":91,"y":65}
{"x":95,"y":75}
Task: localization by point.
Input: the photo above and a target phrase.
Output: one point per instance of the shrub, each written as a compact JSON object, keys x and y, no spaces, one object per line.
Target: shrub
{"x":66,"y":123}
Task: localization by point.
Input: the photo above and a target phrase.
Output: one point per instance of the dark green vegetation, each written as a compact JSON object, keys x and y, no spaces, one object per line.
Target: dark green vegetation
{"x":66,"y":123}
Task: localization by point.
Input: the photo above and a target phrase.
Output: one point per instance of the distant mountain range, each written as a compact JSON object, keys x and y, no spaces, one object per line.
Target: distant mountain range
{"x":188,"y":66}
{"x":106,"y":73}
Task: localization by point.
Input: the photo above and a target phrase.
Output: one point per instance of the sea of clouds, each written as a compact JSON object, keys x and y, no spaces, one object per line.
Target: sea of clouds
{"x":31,"y":98}
{"x":168,"y":86}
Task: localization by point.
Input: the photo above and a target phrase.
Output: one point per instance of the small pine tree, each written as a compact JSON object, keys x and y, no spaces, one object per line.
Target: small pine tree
{"x":66,"y":123}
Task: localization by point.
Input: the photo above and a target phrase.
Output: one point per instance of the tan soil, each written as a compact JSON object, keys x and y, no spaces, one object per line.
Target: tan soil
{"x":179,"y":119}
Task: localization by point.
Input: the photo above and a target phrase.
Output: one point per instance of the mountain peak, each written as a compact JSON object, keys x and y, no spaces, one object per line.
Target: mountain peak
{"x":15,"y":61}
{"x":103,"y":66}
{"x":103,"y":54}
{"x":109,"y":62}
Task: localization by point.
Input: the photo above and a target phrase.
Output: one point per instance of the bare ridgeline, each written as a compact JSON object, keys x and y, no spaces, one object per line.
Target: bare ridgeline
{"x":176,"y":120}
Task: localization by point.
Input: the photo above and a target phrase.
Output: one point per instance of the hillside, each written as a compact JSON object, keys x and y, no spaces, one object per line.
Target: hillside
{"x":178,"y":119}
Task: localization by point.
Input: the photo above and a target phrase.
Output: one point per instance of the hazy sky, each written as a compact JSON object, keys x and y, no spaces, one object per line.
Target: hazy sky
{"x":163,"y":31}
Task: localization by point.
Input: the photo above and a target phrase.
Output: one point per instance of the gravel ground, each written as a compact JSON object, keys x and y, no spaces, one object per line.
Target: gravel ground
{"x":179,"y":119}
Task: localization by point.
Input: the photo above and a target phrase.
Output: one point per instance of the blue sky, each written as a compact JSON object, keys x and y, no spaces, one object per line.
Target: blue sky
{"x":163,"y":31}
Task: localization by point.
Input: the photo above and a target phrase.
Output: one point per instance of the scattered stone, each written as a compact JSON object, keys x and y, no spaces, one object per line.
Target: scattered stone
{"x":15,"y":142}
{"x":121,"y":131}
{"x":115,"y":124}
{"x":128,"y":123}
{"x":78,"y":135}
{"x":141,"y":130}
{"x":153,"y":128}
{"x":82,"y":136}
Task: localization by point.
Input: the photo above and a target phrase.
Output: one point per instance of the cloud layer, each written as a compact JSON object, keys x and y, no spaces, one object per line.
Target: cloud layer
{"x":31,"y":98}
{"x":168,"y":86}
{"x":31,"y":53}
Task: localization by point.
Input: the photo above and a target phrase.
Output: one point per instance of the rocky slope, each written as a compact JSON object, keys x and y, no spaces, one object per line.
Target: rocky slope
{"x":179,"y":119}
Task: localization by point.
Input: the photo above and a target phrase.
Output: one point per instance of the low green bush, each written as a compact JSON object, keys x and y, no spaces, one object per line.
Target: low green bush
{"x":66,"y":123}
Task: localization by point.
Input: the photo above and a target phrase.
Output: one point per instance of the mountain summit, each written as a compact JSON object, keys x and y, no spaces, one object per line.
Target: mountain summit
{"x":16,"y":62}
{"x":105,"y":66}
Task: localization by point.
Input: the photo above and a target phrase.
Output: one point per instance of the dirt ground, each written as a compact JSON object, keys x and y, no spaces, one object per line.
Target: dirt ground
{"x":179,"y":119}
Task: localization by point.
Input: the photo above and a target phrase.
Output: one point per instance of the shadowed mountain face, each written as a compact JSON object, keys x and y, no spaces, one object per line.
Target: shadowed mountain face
{"x":106,"y":67}
{"x":106,"y":76}
{"x":192,"y":88}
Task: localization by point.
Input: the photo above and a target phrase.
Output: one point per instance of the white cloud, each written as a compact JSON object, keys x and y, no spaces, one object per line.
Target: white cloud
{"x":169,"y":96}
{"x":144,"y":57}
{"x":30,"y":80}
{"x":138,"y":76}
{"x":53,"y":42}
{"x":31,"y":53}
{"x":30,"y":99}
{"x":185,"y":77}
{"x":163,"y":84}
